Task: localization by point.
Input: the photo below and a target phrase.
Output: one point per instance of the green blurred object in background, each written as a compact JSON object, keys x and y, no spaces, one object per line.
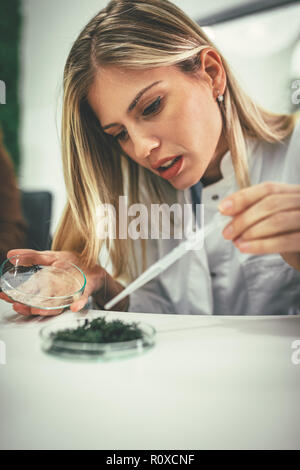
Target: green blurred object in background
{"x":10,"y":31}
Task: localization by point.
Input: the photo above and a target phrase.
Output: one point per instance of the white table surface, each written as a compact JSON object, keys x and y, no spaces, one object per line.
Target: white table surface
{"x":209,"y":382}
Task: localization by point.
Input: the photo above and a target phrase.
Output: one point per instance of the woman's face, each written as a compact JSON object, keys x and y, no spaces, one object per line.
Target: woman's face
{"x":159,"y":114}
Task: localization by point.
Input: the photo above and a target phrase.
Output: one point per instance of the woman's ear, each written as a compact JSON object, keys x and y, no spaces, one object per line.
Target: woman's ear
{"x":212,"y":71}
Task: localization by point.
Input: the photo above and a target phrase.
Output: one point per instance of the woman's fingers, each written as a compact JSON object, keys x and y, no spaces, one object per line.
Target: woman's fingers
{"x":89,"y":288}
{"x":46,"y":313}
{"x":277,"y":224}
{"x":6,"y":298}
{"x":96,"y":281}
{"x":34,"y":257}
{"x":22,"y":309}
{"x":249,"y":225}
{"x":79,"y":304}
{"x":26,"y":310}
{"x":281,"y":244}
{"x":261,"y":211}
{"x":265,"y":219}
{"x":245,"y":198}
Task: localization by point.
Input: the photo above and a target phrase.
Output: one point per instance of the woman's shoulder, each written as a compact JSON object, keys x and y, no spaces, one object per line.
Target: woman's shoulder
{"x":289,"y":148}
{"x":295,"y":135}
{"x":278,"y":161}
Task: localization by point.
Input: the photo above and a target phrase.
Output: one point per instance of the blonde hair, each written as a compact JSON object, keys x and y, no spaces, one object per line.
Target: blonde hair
{"x":136,"y":34}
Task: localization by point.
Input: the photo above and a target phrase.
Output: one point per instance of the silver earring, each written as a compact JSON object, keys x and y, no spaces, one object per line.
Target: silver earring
{"x":220,"y":98}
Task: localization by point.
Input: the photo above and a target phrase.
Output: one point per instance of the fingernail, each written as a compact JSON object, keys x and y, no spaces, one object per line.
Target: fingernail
{"x":228,"y":231}
{"x":242,"y":245}
{"x":80,"y":305}
{"x":226,"y":205}
{"x":75,"y":308}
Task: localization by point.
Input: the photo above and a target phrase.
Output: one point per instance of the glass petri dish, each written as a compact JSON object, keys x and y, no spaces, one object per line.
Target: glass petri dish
{"x":94,"y":351}
{"x":35,"y":280}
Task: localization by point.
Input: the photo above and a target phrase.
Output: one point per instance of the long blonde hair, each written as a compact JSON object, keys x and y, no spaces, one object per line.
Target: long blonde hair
{"x":136,"y":34}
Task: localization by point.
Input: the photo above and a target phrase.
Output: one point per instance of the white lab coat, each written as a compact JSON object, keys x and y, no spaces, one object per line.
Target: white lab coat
{"x":218,"y":279}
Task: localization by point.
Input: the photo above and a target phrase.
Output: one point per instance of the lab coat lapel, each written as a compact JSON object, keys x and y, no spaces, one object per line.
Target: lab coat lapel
{"x":200,"y":287}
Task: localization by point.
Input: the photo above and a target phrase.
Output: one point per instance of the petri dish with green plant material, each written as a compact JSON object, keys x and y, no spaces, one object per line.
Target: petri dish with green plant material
{"x":97,"y":338}
{"x":41,"y":281}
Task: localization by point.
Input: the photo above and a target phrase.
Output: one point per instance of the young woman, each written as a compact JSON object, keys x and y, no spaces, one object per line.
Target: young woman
{"x":145,"y":88}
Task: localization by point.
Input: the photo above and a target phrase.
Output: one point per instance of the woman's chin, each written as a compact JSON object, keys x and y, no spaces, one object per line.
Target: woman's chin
{"x":180,"y":185}
{"x":184,"y":183}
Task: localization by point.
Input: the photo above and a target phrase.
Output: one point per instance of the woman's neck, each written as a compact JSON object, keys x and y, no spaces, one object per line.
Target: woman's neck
{"x":213,"y":172}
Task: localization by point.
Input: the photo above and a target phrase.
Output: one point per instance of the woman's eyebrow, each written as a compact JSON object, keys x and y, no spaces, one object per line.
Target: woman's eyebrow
{"x":134,"y":102}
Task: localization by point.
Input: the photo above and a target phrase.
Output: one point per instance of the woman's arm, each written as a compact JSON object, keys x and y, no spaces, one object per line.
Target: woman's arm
{"x":109,"y":289}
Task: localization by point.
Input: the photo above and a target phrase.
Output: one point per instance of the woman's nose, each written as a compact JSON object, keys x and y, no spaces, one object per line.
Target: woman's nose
{"x":144,"y":144}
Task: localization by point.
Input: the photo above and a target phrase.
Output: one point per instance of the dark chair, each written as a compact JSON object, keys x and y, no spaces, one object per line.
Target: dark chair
{"x":36,"y":206}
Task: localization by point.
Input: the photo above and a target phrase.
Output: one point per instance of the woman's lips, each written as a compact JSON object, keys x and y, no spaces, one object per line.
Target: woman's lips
{"x":161,"y":162}
{"x":173,"y":170}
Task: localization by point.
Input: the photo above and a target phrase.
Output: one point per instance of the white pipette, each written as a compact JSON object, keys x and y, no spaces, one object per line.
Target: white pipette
{"x":161,"y":265}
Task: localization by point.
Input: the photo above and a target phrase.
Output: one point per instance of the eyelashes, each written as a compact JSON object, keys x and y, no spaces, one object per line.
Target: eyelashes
{"x":150,"y":110}
{"x":121,"y":136}
{"x":153,"y":108}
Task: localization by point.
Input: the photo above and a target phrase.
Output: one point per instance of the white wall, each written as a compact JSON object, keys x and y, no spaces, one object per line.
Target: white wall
{"x":255,"y":48}
{"x":50,"y":27}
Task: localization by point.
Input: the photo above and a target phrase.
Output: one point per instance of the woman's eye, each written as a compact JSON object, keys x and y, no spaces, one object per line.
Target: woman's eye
{"x":121,"y":136}
{"x":154,"y":107}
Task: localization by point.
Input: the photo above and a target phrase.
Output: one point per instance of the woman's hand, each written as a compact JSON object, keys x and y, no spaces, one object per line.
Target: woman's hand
{"x":98,"y":283}
{"x":266,"y":219}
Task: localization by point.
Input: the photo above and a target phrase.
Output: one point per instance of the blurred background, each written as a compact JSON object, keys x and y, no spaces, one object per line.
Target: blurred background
{"x":36,"y":36}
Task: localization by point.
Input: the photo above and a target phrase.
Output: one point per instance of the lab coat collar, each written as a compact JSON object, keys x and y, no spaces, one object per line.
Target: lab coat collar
{"x":227,"y":170}
{"x":226,"y":165}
